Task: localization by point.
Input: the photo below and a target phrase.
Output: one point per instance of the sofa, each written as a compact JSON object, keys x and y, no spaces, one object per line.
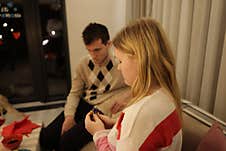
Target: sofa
{"x":201,"y":130}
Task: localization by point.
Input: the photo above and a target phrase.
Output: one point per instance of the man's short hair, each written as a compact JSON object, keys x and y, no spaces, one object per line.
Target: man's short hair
{"x":95,"y":31}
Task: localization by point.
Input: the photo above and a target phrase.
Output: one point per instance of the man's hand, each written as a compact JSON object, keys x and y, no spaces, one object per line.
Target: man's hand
{"x":69,"y":122}
{"x":118,"y":106}
{"x":121,"y":102}
{"x":93,"y":123}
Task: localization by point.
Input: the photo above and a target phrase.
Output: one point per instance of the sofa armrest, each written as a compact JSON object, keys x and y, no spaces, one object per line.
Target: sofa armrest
{"x":196,"y":123}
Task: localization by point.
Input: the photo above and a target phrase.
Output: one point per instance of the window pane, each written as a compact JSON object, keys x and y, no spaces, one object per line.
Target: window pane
{"x":51,"y":16}
{"x":15,"y":70}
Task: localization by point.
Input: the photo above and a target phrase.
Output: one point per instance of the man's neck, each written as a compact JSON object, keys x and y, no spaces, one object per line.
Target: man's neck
{"x":104,"y":61}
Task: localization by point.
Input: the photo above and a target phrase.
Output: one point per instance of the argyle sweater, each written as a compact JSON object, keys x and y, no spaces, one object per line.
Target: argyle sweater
{"x":100,"y":86}
{"x":149,"y":125}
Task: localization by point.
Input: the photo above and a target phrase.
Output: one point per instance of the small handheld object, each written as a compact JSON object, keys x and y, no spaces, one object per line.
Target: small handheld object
{"x":96,"y":110}
{"x":91,"y":117}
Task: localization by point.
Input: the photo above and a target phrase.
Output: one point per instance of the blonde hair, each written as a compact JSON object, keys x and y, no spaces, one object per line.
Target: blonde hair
{"x":146,"y":40}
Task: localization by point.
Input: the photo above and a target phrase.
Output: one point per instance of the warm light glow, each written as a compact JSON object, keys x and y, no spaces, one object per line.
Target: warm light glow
{"x":53,"y":32}
{"x":5,"y":24}
{"x":0,"y":36}
{"x":11,"y":29}
{"x":45,"y":42}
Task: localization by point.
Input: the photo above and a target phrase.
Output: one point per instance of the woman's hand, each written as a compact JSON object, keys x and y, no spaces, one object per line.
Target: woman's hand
{"x":93,"y":123}
{"x":108,"y":122}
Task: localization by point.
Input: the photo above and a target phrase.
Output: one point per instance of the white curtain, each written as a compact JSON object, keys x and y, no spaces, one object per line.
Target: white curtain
{"x":196,"y":30}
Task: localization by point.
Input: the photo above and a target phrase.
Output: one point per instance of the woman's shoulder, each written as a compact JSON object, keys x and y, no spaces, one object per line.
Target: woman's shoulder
{"x":148,"y":112}
{"x":161,"y":100}
{"x":156,"y":107}
{"x":158,"y":101}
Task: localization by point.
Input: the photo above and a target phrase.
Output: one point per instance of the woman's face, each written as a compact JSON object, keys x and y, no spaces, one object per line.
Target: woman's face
{"x":128,"y":66}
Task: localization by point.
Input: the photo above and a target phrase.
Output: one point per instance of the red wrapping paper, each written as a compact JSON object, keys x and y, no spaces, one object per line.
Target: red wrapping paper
{"x":12,"y":142}
{"x":13,"y":133}
{"x":23,"y":127}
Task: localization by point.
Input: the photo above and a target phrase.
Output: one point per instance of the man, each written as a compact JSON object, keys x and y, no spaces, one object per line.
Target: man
{"x":98,"y":83}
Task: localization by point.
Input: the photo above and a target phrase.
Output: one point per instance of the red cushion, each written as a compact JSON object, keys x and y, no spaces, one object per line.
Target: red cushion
{"x":214,"y":140}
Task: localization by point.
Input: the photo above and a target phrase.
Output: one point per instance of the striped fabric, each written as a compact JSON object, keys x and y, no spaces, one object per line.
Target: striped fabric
{"x":149,"y":125}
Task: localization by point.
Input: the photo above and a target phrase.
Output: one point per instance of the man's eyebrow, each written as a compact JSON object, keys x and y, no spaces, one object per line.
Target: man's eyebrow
{"x":96,"y":49}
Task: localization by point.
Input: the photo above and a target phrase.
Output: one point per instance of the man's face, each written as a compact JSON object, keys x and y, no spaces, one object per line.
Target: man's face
{"x":98,"y":51}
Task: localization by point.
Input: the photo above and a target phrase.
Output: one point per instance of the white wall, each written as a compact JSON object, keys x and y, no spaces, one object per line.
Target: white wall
{"x":81,"y":12}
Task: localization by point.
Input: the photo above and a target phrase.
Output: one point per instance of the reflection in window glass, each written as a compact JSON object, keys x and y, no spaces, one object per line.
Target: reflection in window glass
{"x":15,"y":71}
{"x":51,"y":15}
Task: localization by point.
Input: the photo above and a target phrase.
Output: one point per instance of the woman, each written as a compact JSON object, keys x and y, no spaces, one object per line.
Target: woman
{"x":152,"y":120}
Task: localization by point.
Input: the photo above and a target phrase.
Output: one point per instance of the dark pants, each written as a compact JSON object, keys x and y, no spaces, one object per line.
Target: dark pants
{"x":72,"y":140}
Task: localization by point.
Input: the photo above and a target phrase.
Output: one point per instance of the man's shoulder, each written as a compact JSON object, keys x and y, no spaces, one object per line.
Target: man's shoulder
{"x":83,"y":61}
{"x":82,"y":64}
{"x":85,"y":58}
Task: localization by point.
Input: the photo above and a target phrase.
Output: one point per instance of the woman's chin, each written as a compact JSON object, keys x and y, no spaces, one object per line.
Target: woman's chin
{"x":127,"y":83}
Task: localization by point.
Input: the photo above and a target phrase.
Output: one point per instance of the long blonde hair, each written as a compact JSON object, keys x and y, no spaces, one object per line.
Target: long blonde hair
{"x":146,"y":40}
